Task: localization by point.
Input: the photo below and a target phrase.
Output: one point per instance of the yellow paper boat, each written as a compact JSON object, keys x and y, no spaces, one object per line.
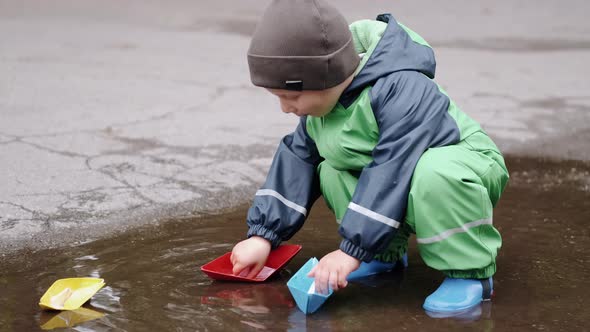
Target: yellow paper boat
{"x":63,"y":319}
{"x":70,"y":293}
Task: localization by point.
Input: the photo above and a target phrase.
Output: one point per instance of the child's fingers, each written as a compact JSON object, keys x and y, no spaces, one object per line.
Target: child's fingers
{"x":311,"y":273}
{"x":255,"y":270}
{"x":342,"y":282}
{"x":321,"y":281}
{"x":333,"y":280}
{"x":238,"y":267}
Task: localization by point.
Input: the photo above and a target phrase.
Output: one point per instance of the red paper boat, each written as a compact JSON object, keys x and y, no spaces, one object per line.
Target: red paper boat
{"x":221,"y":267}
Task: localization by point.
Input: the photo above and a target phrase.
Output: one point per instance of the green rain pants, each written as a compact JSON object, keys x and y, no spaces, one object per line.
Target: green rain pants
{"x":452,"y":194}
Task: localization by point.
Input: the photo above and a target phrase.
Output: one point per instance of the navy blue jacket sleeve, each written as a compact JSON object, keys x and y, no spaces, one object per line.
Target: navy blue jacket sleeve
{"x":412,"y":115}
{"x":292,"y":186}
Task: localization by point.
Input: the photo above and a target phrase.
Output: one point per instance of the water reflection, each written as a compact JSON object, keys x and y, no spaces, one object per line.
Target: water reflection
{"x":250,"y":298}
{"x":481,"y":311}
{"x":50,"y":320}
{"x":107,"y":299}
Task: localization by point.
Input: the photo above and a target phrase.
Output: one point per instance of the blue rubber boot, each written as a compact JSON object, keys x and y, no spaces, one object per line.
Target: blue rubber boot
{"x":376,"y":267}
{"x":455,"y":296}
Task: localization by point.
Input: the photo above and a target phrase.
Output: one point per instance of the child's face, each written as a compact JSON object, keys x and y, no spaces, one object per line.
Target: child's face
{"x":310,"y":102}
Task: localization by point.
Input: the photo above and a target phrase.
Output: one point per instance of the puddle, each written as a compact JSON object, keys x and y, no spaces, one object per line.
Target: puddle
{"x":153,"y":281}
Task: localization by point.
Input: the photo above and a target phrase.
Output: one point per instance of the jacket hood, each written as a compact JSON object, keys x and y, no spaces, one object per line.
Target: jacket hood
{"x":388,"y":47}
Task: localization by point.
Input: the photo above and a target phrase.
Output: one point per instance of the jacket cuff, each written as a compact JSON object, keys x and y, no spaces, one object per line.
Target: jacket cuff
{"x":355,"y":251}
{"x":271,"y":236}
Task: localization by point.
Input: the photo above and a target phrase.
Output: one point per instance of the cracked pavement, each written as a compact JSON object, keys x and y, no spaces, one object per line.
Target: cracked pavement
{"x":115,"y":116}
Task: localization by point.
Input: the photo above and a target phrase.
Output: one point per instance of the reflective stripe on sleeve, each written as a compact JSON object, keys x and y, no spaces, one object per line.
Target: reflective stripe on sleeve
{"x":292,"y":205}
{"x":374,"y":215}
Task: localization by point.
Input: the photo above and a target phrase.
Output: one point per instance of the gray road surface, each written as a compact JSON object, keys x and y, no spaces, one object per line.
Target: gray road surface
{"x":119,"y":114}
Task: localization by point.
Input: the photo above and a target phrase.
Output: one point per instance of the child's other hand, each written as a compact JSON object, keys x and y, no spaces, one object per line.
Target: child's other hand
{"x":332,"y":271}
{"x":250,"y":255}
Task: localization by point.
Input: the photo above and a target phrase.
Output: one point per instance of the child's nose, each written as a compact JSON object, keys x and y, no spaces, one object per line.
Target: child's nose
{"x":286,"y":108}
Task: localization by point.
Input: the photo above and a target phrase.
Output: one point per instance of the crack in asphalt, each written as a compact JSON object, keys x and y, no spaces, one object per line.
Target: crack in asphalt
{"x":135,"y":147}
{"x":135,"y":190}
{"x":22,"y":207}
{"x":81,"y":205}
{"x":54,"y":151}
{"x":218,"y":92}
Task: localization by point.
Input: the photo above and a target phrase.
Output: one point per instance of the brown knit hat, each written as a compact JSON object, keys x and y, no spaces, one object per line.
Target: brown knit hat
{"x":301,"y":45}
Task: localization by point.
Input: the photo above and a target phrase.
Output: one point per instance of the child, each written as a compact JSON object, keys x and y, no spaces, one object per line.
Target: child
{"x":386,"y":147}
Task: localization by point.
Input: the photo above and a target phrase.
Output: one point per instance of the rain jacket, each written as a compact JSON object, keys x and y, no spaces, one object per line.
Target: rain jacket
{"x":384,"y":121}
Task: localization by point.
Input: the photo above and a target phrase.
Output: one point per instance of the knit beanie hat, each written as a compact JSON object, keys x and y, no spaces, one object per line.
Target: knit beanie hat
{"x":301,"y":45}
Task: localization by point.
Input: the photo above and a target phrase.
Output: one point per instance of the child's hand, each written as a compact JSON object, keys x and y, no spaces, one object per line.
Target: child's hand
{"x":332,"y":271}
{"x":250,"y":255}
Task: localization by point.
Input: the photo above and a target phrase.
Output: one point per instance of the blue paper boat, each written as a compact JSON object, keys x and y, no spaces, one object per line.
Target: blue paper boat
{"x":303,"y":290}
